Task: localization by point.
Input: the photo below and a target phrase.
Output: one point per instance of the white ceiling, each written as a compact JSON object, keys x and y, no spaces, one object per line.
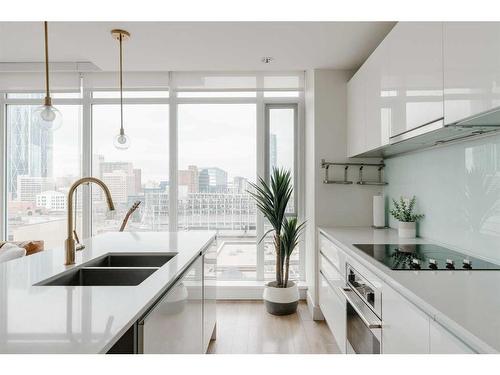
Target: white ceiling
{"x":187,"y":46}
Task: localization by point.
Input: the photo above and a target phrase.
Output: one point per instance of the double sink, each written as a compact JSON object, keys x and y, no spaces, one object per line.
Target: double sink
{"x":124,"y":269}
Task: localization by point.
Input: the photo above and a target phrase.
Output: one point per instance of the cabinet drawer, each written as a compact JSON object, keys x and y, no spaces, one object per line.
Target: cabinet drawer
{"x":332,"y":253}
{"x":333,"y":307}
{"x":331,"y":273}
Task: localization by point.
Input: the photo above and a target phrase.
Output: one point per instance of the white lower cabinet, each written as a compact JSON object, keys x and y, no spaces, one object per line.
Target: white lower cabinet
{"x":405,"y":328}
{"x":331,"y":300}
{"x":175,"y":324}
{"x":443,"y":342}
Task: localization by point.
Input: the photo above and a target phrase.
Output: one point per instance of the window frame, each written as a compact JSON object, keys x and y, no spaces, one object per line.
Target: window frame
{"x":263,"y":105}
{"x":267,"y":153}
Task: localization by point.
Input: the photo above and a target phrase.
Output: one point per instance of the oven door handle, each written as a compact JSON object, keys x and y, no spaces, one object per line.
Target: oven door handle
{"x":363,"y":311}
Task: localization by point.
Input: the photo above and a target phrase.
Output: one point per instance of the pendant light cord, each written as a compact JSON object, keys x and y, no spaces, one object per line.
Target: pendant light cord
{"x":121,"y":85}
{"x":47,"y":92}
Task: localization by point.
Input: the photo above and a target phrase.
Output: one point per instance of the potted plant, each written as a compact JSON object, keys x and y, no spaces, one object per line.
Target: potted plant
{"x":403,"y":212}
{"x":281,"y":296}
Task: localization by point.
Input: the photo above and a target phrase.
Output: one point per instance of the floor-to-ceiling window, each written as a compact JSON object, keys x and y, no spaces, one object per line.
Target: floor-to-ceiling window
{"x":40,"y":167}
{"x":229,"y":129}
{"x":217,"y":160}
{"x":137,"y":174}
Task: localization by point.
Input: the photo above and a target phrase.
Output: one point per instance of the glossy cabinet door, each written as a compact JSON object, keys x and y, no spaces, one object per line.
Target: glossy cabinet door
{"x":209,"y":294}
{"x":471,"y":68}
{"x":443,"y":342}
{"x":356,"y":113}
{"x":416,"y":74}
{"x":175,"y":323}
{"x":405,"y":328}
{"x":378,"y":98}
{"x":333,"y":307}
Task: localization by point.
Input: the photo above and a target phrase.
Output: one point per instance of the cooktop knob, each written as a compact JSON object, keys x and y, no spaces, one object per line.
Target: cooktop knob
{"x":467,"y":264}
{"x":415,"y":263}
{"x":433,"y":264}
{"x":450,"y":264}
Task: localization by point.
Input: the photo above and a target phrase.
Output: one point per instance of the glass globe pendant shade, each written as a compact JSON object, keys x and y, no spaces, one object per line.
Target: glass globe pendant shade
{"x":122,"y":141}
{"x":49,"y":117}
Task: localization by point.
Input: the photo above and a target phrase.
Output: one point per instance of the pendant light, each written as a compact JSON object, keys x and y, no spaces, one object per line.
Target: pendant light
{"x":122,"y":141}
{"x":50,"y":118}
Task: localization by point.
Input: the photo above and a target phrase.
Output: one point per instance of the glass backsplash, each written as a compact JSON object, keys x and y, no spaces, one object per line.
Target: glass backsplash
{"x":457,"y":188}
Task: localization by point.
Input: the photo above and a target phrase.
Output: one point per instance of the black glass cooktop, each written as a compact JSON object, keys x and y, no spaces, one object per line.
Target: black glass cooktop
{"x":424,"y":257}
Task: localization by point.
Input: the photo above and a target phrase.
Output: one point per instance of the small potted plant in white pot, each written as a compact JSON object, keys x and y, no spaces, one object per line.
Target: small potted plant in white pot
{"x":281,"y":296}
{"x":403,"y":212}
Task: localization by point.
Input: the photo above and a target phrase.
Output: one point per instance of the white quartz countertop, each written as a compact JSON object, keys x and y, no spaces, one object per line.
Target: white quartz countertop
{"x":85,"y":319}
{"x":467,"y":303}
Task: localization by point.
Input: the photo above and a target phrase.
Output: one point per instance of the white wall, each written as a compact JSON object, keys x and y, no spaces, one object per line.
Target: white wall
{"x":326,"y":138}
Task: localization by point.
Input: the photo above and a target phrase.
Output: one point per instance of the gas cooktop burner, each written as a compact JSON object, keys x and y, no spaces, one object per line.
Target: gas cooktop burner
{"x":424,"y":257}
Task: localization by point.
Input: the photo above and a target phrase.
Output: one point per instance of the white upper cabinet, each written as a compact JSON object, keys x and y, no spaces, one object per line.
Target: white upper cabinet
{"x":398,"y":88}
{"x":471,"y":68}
{"x":377,"y":98}
{"x":416,"y":70}
{"x":356,"y":113}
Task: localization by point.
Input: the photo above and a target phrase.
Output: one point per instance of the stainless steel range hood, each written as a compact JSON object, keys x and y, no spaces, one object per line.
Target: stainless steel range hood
{"x":437,"y":133}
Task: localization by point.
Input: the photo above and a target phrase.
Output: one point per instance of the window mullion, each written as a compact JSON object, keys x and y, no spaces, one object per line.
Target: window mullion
{"x":3,"y":168}
{"x":86,"y":163}
{"x":262,"y":161}
{"x":173,"y":164}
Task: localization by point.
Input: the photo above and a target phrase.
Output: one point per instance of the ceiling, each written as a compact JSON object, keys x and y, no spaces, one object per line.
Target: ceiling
{"x":202,"y":46}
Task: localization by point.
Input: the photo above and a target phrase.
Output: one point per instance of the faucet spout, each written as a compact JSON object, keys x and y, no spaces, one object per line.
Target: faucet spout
{"x":69,"y":244}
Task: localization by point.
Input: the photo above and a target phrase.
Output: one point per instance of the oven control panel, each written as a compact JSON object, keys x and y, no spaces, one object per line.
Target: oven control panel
{"x":364,"y":289}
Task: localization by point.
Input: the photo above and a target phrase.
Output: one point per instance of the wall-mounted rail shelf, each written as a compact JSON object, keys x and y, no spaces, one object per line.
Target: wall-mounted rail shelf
{"x":345,"y":181}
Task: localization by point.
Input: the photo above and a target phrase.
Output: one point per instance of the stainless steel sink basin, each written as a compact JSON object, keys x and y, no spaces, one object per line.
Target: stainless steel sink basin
{"x":131,"y":260}
{"x":100,"y":276}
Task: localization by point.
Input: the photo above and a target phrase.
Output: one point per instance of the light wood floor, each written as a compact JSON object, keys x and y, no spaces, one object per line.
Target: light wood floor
{"x":245,"y":327}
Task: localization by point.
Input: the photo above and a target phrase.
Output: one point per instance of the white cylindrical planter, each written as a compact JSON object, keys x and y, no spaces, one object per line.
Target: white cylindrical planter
{"x":407,"y":230}
{"x":281,"y":301}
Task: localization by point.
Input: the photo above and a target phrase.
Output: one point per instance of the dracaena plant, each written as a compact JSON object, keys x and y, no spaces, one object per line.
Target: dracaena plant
{"x":272,"y":199}
{"x":403,"y":210}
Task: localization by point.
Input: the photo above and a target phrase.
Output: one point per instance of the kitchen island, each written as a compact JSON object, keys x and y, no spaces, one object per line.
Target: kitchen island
{"x":420,"y":307}
{"x":93,"y":319}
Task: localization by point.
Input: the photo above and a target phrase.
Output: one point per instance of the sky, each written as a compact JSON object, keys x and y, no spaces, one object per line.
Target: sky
{"x":210,"y":135}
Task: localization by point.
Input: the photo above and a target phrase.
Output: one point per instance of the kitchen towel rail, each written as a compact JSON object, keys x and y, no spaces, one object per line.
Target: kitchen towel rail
{"x":345,"y":181}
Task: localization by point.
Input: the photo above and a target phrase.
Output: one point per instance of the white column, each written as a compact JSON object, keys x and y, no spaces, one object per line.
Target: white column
{"x":173,"y":165}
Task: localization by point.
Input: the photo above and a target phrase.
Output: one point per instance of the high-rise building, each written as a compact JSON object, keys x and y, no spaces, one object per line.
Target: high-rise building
{"x":273,"y":152}
{"x":156,"y":208}
{"x":110,"y":166}
{"x":51,"y":200}
{"x":30,"y":151}
{"x":190,"y":178}
{"x":126,"y":174}
{"x":117,"y":184}
{"x":137,"y":180}
{"x":240,"y":185}
{"x":28,"y":187}
{"x":212,"y":180}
